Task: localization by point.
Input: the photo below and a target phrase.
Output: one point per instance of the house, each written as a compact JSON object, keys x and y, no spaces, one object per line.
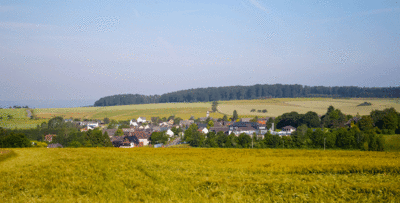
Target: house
{"x":283,"y":133}
{"x":117,"y":141}
{"x":158,"y":128}
{"x":245,"y":127}
{"x":142,"y":136}
{"x":203,"y":130}
{"x":133,"y":123}
{"x":170,"y":133}
{"x":262,"y":129}
{"x":84,"y":129}
{"x":171,"y":122}
{"x":128,"y":142}
{"x":91,"y":124}
{"x":56,"y":145}
{"x":201,"y":125}
{"x":225,"y":130}
{"x":49,"y":137}
{"x":262,"y":121}
{"x":227,"y":123}
{"x":288,"y":129}
{"x":110,"y":132}
{"x":141,"y":120}
{"x":248,"y":130}
{"x":186,"y":123}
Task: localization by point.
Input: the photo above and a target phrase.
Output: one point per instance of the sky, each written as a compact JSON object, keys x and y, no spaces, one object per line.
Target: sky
{"x":80,"y":51}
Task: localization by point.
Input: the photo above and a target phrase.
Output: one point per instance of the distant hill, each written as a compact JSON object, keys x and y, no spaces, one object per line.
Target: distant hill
{"x":250,"y":92}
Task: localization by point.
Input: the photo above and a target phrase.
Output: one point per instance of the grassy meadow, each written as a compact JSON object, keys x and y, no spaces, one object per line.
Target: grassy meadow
{"x":19,"y":119}
{"x":199,"y":175}
{"x":278,"y":106}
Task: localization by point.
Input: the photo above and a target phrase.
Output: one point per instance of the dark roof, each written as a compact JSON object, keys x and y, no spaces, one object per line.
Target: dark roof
{"x":110,"y":132}
{"x":217,"y":129}
{"x":142,"y":134}
{"x":117,"y":138}
{"x":245,"y":124}
{"x":201,"y":125}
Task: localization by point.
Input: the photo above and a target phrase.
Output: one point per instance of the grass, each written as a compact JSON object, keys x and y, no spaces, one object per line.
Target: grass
{"x":277,"y":107}
{"x":21,"y":123}
{"x":199,"y":175}
{"x":19,"y":120}
{"x":127,"y":112}
{"x":15,"y":113}
{"x":392,"y":143}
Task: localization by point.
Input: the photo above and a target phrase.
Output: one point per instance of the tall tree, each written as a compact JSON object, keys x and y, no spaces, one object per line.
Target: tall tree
{"x":235,"y":115}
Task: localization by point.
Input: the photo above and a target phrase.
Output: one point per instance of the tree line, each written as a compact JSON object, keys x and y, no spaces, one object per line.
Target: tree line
{"x":250,"y":92}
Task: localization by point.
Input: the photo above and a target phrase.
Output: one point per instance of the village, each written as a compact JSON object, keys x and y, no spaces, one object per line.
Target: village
{"x":140,"y":130}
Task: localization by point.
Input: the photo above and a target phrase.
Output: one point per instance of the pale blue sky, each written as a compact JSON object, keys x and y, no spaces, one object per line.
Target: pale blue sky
{"x":62,"y":50}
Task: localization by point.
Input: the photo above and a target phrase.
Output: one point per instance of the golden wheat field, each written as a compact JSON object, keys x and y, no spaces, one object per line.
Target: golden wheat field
{"x":279,"y":106}
{"x":199,"y":175}
{"x":127,"y":112}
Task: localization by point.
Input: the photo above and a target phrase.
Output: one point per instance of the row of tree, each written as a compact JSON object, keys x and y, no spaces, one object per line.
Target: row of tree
{"x":343,"y":138}
{"x":250,"y":92}
{"x":332,"y":130}
{"x":13,"y":140}
{"x":386,"y":121}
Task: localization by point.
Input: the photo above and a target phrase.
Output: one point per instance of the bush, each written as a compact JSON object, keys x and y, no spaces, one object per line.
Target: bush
{"x":365,"y":104}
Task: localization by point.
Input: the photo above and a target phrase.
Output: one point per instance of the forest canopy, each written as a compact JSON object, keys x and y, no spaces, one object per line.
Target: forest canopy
{"x":250,"y":92}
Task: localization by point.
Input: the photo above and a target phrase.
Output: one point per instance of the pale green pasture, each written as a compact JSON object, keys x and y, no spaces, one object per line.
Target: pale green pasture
{"x":16,"y":113}
{"x":21,"y":123}
{"x":276,"y":107}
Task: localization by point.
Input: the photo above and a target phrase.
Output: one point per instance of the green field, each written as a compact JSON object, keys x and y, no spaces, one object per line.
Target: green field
{"x":127,"y":112}
{"x":277,"y":107}
{"x":199,"y":175}
{"x":19,"y":120}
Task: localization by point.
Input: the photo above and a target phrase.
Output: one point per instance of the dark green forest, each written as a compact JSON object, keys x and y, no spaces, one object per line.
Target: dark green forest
{"x":250,"y":92}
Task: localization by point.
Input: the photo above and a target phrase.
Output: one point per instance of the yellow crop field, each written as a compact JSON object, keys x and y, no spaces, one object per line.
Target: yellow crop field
{"x":199,"y":175}
{"x":277,"y":107}
{"x":183,"y":110}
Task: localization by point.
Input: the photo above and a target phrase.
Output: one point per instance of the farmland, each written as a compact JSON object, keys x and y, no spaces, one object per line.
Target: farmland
{"x":127,"y":112}
{"x":198,"y":175}
{"x":277,"y":107}
{"x":19,"y":119}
